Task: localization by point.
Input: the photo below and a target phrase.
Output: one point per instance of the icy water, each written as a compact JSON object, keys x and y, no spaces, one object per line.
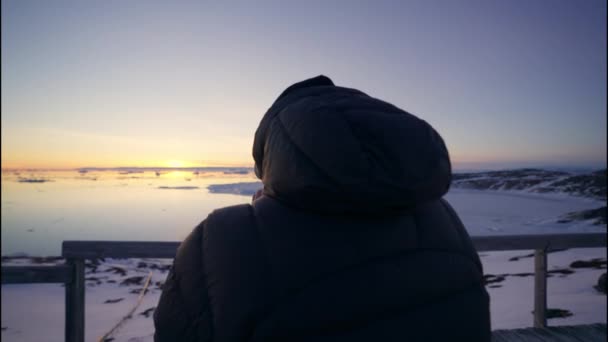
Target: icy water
{"x":109,"y":205}
{"x":37,"y":217}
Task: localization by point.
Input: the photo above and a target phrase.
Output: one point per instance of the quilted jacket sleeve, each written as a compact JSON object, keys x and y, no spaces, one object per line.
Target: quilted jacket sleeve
{"x":182,"y":313}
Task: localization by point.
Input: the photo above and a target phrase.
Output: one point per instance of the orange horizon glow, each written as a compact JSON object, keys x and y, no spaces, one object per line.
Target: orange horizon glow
{"x":168,"y":164}
{"x":60,"y":150}
{"x":115,"y":154}
{"x":176,"y":163}
{"x":59,"y":161}
{"x":457,"y":162}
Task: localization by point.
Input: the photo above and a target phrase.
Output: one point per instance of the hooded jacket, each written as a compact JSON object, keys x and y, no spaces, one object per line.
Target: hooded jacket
{"x":351,"y":241}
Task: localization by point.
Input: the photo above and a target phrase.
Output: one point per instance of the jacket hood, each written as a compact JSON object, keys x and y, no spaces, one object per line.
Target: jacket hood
{"x":336,"y":150}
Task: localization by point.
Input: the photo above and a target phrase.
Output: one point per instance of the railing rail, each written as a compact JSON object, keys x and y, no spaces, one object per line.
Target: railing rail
{"x":76,"y":252}
{"x":547,"y":242}
{"x":118,"y":249}
{"x":36,"y":274}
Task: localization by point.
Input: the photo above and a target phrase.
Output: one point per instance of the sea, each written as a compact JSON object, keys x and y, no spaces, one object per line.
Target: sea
{"x":40,"y":209}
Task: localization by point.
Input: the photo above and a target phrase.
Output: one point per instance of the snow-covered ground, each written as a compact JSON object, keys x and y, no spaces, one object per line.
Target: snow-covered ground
{"x":36,"y":312}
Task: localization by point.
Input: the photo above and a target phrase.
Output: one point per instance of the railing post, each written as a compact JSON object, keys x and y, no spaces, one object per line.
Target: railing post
{"x":74,"y":302}
{"x":540,"y":288}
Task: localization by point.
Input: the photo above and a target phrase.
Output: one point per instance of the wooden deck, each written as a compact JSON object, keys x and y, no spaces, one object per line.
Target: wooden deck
{"x":566,"y":333}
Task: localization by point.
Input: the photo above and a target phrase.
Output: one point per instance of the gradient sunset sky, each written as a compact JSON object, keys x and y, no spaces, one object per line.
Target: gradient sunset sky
{"x":185,"y":83}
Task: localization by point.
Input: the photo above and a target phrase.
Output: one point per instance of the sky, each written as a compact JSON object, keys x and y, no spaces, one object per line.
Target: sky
{"x":185,"y":83}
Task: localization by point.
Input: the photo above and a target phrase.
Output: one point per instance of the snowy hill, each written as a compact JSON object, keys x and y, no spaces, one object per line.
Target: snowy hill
{"x":592,"y":185}
{"x":587,"y":186}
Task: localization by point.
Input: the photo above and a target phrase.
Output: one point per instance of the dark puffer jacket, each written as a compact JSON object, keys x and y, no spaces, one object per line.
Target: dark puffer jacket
{"x":350,"y":242}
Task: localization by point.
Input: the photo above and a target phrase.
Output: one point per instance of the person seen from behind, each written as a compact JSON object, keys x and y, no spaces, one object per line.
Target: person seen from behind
{"x":349,"y":240}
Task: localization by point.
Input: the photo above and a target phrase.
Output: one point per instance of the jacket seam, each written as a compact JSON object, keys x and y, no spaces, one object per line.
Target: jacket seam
{"x":331,"y":179}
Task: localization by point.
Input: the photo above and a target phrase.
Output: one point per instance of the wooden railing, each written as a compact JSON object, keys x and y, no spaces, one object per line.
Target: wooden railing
{"x":76,"y":252}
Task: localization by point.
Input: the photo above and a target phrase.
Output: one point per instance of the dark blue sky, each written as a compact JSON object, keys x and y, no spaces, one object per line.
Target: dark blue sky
{"x":506,"y":83}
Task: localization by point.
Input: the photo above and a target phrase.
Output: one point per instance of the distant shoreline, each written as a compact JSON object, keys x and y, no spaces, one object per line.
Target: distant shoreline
{"x":127,"y":168}
{"x":463,"y":169}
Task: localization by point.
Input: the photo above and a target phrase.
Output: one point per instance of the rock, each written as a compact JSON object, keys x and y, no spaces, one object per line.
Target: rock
{"x":93,"y":281}
{"x":531,"y":255}
{"x":93,"y":262}
{"x":111,"y":301}
{"x":138,"y":290}
{"x":132,"y":281}
{"x":596,"y":263}
{"x":597,"y":214}
{"x":558,"y":313}
{"x":32,"y":180}
{"x":516,"y":258}
{"x":146,"y":313}
{"x":118,"y":270}
{"x":564,"y":271}
{"x":162,"y":268}
{"x":601,"y":284}
{"x":491,"y":278}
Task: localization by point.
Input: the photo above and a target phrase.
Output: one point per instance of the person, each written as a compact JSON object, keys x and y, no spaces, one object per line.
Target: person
{"x":350,"y":239}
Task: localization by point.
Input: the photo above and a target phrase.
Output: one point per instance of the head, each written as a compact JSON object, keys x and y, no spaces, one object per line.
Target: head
{"x":332,"y":149}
